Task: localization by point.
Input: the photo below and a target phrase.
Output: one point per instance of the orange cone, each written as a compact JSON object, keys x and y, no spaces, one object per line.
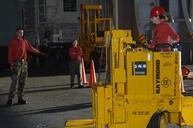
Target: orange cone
{"x":83,"y":74}
{"x":92,"y":80}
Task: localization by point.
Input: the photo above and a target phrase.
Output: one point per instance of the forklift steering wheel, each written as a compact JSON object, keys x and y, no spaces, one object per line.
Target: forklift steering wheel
{"x":159,"y":47}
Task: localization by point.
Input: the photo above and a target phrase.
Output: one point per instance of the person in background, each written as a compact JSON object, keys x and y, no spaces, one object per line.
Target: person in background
{"x":163,"y":32}
{"x":17,"y":58}
{"x":75,"y":53}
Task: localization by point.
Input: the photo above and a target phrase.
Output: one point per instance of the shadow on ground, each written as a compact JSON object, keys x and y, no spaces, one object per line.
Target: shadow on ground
{"x":51,"y":110}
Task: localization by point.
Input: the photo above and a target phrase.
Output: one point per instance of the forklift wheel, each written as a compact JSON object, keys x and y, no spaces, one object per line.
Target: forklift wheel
{"x":163,"y":121}
{"x":158,"y":120}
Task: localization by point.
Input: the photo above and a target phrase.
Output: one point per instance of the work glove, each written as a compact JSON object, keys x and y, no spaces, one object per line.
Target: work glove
{"x":43,"y":54}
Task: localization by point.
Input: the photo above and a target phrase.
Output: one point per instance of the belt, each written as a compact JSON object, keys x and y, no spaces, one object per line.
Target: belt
{"x":22,"y":60}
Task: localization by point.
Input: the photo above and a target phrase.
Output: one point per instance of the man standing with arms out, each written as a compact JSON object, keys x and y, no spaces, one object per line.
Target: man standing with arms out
{"x":75,"y":53}
{"x":17,"y":58}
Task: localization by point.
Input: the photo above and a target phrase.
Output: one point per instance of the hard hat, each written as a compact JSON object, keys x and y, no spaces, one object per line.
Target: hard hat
{"x":156,"y":11}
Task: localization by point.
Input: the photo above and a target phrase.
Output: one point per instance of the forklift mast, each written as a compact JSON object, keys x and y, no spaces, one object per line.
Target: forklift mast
{"x":93,"y":27}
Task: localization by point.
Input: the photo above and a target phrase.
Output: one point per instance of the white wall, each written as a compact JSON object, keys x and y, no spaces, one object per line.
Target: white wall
{"x":55,"y":12}
{"x":67,"y":22}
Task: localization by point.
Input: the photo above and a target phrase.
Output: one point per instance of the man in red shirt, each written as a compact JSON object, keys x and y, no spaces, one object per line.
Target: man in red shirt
{"x":75,"y":53}
{"x":163,"y":32}
{"x":17,"y":58}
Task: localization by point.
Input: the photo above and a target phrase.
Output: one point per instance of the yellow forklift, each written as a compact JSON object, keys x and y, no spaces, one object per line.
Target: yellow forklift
{"x":142,"y":88}
{"x":93,"y":26}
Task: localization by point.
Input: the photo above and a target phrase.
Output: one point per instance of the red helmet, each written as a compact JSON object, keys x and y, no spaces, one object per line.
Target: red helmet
{"x":156,"y":11}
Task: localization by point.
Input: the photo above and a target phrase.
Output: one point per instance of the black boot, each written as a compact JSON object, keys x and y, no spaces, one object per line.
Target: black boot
{"x":9,"y":103}
{"x":21,"y":101}
{"x":80,"y":86}
{"x":72,"y":86}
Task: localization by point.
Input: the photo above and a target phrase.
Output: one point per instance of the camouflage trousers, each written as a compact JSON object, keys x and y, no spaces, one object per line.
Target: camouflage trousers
{"x":75,"y":69}
{"x":19,"y":72}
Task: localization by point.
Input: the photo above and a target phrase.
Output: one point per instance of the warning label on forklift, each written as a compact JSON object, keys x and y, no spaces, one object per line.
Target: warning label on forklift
{"x":139,"y":68}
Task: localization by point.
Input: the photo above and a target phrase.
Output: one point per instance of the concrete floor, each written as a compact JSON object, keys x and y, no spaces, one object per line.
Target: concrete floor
{"x":51,"y":103}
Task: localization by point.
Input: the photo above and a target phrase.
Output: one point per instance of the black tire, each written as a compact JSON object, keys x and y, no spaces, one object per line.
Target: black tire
{"x":158,"y":120}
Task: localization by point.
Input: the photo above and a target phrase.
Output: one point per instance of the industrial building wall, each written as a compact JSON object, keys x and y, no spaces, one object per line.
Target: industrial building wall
{"x":126,"y":17}
{"x":8,"y":23}
{"x":66,"y":24}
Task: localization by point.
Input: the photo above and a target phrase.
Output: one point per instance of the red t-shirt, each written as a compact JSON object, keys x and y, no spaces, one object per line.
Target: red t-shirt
{"x":162,"y":32}
{"x":17,"y":49}
{"x":75,"y":53}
